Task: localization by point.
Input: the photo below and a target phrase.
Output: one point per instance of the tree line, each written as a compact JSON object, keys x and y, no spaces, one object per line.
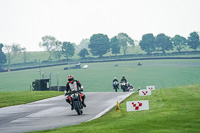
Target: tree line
{"x":100,"y":44}
{"x":163,"y":43}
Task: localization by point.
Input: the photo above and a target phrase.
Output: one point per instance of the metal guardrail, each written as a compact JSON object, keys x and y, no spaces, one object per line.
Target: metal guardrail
{"x":174,"y":55}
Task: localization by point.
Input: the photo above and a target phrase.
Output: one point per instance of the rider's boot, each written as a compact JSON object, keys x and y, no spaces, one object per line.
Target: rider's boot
{"x":84,"y":105}
{"x":72,"y":107}
{"x":83,"y":99}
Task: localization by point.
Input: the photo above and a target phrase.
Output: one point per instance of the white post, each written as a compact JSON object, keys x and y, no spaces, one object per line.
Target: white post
{"x":58,"y":81}
{"x":40,"y":69}
{"x":50,"y":81}
{"x":42,"y":75}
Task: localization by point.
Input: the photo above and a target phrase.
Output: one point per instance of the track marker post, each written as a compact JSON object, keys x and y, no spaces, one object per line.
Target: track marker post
{"x":117,"y":107}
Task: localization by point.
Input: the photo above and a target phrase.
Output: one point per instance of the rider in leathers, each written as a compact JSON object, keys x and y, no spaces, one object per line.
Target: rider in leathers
{"x":115,"y":84}
{"x":73,"y":85}
{"x":123,"y":80}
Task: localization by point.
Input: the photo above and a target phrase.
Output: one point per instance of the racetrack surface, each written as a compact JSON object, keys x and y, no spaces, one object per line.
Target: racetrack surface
{"x":55,"y":112}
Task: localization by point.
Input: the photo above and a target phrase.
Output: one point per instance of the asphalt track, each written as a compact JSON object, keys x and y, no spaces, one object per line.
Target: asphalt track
{"x":55,"y":112}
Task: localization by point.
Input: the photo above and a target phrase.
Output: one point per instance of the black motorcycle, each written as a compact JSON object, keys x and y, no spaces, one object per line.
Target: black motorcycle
{"x":76,"y":101}
{"x":124,"y":86}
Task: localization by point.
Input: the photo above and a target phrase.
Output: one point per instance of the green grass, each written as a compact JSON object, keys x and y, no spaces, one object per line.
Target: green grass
{"x":16,"y":98}
{"x":98,"y":77}
{"x":174,"y":110}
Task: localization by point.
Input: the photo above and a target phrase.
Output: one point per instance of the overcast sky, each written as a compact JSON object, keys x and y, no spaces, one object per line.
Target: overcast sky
{"x":25,"y":22}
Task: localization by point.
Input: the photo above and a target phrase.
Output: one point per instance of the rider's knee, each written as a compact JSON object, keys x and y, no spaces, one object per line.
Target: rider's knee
{"x":67,"y":100}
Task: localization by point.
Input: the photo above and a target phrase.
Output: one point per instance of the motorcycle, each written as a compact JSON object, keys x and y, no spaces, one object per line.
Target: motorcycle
{"x":124,"y":86}
{"x":115,"y":85}
{"x":77,"y":102}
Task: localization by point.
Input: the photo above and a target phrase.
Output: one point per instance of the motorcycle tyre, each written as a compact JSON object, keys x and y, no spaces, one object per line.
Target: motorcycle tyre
{"x":78,"y":110}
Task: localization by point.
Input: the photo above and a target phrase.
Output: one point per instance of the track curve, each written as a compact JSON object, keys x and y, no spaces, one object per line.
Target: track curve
{"x":55,"y":112}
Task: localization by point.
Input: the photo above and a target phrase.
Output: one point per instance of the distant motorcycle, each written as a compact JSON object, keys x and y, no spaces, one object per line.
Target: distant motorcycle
{"x":124,"y":86}
{"x":77,"y":102}
{"x":115,"y":85}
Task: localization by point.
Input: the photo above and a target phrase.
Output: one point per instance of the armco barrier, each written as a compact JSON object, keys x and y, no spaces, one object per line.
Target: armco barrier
{"x":108,"y":60}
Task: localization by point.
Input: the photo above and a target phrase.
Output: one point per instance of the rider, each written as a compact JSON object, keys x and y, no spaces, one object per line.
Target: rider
{"x":115,"y":84}
{"x":131,"y":88}
{"x":123,"y":80}
{"x":73,"y":85}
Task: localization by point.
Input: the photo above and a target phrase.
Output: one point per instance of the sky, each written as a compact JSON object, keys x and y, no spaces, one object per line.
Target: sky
{"x":25,"y":22}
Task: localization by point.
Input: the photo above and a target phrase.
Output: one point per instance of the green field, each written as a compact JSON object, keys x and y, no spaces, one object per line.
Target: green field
{"x":171,"y":110}
{"x":174,"y":110}
{"x":17,"y":98}
{"x":98,"y":77}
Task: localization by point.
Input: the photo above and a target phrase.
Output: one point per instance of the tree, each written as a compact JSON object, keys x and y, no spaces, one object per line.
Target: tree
{"x":49,"y":43}
{"x":193,"y":41}
{"x":12,"y":51}
{"x":84,"y":44}
{"x":163,"y":42}
{"x":68,"y":49}
{"x":26,"y":55}
{"x":115,"y":47}
{"x":57,"y":51}
{"x":179,"y":42}
{"x":148,"y":43}
{"x":83,"y":53}
{"x":75,"y":45}
{"x":3,"y":59}
{"x":99,"y":44}
{"x":124,"y":41}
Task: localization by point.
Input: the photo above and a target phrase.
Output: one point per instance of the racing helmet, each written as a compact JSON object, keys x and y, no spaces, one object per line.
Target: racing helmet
{"x":70,"y":78}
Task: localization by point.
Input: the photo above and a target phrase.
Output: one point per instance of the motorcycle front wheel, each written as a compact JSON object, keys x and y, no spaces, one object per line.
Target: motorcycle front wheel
{"x":78,"y":110}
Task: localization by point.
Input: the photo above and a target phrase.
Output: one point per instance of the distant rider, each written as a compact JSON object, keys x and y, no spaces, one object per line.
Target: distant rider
{"x":123,"y":79}
{"x":115,"y":84}
{"x":123,"y":83}
{"x":73,"y":85}
{"x":130,"y":89}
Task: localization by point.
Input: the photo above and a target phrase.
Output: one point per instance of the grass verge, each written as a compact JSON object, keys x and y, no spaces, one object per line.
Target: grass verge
{"x":173,"y":110}
{"x":16,"y":98}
